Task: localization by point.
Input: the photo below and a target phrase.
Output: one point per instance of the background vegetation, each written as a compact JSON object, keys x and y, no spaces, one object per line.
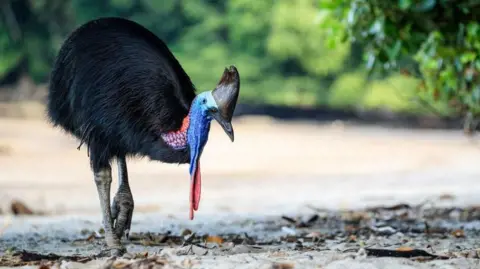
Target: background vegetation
{"x":290,"y":52}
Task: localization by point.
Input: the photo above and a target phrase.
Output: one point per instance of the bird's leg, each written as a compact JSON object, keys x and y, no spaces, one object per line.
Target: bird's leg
{"x":122,"y":206}
{"x":103,"y":180}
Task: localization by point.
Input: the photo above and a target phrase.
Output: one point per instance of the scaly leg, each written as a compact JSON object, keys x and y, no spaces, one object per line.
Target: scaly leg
{"x":122,"y":206}
{"x":103,"y":180}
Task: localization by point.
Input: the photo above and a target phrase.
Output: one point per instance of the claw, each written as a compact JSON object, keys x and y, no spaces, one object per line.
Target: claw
{"x":122,"y":205}
{"x":122,"y":210}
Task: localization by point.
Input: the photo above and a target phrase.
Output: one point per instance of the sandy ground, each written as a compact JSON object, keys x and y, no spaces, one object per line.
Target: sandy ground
{"x":273,"y":168}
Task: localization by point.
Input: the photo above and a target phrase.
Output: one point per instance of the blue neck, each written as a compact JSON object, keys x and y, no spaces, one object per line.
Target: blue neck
{"x":197,"y":133}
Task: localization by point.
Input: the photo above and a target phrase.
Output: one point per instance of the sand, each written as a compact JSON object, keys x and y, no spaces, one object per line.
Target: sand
{"x":272,"y":168}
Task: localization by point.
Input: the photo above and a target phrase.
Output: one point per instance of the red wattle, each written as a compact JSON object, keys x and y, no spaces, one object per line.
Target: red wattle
{"x":195,"y":190}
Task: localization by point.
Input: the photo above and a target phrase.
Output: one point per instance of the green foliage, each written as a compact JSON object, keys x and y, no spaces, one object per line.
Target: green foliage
{"x":348,"y":89}
{"x":282,"y":54}
{"x":295,"y":35}
{"x":441,"y":36}
{"x":10,"y":52}
{"x":388,"y":91}
{"x":26,"y":41}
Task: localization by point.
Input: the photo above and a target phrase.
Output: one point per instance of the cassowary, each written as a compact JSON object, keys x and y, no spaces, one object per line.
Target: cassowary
{"x":117,"y":88}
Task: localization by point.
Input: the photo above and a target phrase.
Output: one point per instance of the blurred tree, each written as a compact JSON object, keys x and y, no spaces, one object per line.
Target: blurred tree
{"x":29,"y":32}
{"x":296,"y":36}
{"x":441,"y":36}
{"x":277,"y":45}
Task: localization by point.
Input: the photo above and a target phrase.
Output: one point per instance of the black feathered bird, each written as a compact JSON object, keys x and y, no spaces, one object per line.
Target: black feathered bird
{"x":118,"y":89}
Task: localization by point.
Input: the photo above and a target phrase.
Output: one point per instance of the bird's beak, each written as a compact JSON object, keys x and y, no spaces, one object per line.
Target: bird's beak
{"x":226,"y":125}
{"x":226,"y":96}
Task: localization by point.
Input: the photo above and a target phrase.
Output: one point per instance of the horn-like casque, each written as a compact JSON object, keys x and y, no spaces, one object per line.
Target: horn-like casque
{"x":226,"y":93}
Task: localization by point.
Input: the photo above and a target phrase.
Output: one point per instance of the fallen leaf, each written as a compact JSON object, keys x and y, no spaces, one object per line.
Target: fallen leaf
{"x":91,"y":237}
{"x":152,"y":262}
{"x":352,"y":238}
{"x":22,"y":258}
{"x":404,"y":248}
{"x":458,"y":233}
{"x":119,"y":265}
{"x":447,"y":196}
{"x":186,"y":232}
{"x":141,"y":255}
{"x":19,"y":208}
{"x":214,"y":239}
{"x":282,"y":266}
{"x":401,"y":254}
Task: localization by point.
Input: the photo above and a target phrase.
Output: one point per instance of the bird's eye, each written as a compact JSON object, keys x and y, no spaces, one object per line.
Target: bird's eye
{"x":204,"y":101}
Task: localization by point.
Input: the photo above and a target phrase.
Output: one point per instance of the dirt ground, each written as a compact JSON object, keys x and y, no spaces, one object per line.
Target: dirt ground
{"x":272,"y":169}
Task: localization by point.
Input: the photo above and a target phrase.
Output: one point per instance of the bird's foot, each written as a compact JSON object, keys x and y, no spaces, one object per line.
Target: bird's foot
{"x":114,"y":247}
{"x":116,"y":251}
{"x":122,"y":211}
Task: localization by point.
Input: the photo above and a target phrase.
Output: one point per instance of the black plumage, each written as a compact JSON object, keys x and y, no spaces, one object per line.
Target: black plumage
{"x":118,"y":89}
{"x":116,"y":86}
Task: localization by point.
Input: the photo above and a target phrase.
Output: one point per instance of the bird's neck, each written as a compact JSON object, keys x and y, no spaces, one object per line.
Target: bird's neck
{"x":178,"y":139}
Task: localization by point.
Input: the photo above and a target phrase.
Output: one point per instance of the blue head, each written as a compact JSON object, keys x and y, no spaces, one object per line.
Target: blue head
{"x":218,"y":104}
{"x":201,"y":111}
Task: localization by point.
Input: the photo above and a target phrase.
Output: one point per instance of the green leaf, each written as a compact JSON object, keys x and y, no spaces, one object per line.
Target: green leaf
{"x":394,"y":51}
{"x":468,"y":57}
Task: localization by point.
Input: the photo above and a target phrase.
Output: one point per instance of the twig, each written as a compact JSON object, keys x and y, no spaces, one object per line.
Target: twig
{"x":401,"y":254}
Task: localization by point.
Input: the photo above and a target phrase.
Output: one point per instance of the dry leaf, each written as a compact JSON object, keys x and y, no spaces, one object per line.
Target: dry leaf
{"x":446,"y":196}
{"x":91,"y":237}
{"x":186,"y":232}
{"x":141,"y":255}
{"x":18,"y":208}
{"x":282,"y":266}
{"x":352,"y":238}
{"x":214,"y":239}
{"x":119,"y":265}
{"x":404,"y":248}
{"x":458,"y":233}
